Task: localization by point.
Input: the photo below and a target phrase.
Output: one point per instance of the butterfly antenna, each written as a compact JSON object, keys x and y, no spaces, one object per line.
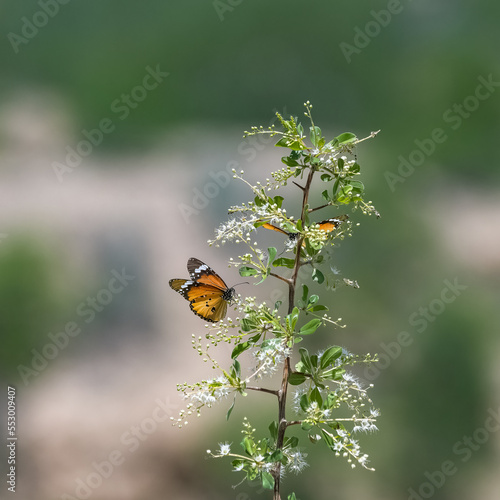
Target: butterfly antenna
{"x":243,"y":283}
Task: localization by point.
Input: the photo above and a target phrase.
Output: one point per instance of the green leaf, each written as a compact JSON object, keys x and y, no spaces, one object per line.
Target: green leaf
{"x":248,"y":445}
{"x":236,"y":368}
{"x":330,"y":355}
{"x":316,"y":396}
{"x":293,"y":317}
{"x":273,"y":429}
{"x":304,"y":402}
{"x":228,"y":414}
{"x":239,"y":348}
{"x":292,"y":497}
{"x":272,"y":254}
{"x":325,"y":195}
{"x":305,"y":358}
{"x":318,"y":307}
{"x":317,"y":275}
{"x":335,"y":187}
{"x":284,"y":262}
{"x":305,"y":293}
{"x":299,"y":225}
{"x":340,"y":163}
{"x":296,"y":378}
{"x":291,"y":442}
{"x":345,"y":138}
{"x":278,"y":200}
{"x":267,"y":480}
{"x":248,"y":271}
{"x":286,"y":142}
{"x":276,"y":456}
{"x":248,"y":324}
{"x":306,"y":426}
{"x":310,"y":327}
{"x":277,"y":304}
{"x":259,"y":201}
{"x":326,"y":177}
{"x":315,"y":135}
{"x":355,"y":168}
{"x":328,"y":439}
{"x":313,"y":299}
{"x":333,"y":373}
{"x":287,"y":160}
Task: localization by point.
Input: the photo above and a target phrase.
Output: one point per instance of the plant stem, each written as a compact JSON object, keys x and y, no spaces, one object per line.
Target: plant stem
{"x":282,"y":393}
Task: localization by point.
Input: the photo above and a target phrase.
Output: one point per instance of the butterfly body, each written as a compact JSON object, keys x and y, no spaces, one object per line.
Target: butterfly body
{"x":206,"y":291}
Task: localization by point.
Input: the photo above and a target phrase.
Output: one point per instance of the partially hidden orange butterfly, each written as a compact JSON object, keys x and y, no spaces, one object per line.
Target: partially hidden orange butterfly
{"x":327,"y":225}
{"x":206,"y":291}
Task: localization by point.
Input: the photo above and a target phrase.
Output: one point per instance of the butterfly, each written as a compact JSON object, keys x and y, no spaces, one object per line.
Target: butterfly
{"x":206,"y":291}
{"x":327,"y":225}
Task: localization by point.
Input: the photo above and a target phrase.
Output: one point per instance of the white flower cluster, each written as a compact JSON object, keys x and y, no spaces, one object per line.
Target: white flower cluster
{"x":270,"y":356}
{"x":204,"y":393}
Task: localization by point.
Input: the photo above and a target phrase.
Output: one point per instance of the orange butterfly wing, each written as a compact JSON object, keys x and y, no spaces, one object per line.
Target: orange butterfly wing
{"x":206,"y":291}
{"x":207,"y":302}
{"x":274,"y":228}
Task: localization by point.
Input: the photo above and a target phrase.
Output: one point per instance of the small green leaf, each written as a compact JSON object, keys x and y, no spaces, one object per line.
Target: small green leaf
{"x":316,"y":396}
{"x":284,"y":262}
{"x":325,"y":195}
{"x":330,"y":355}
{"x":259,"y":201}
{"x":267,"y":480}
{"x":299,"y":225}
{"x":293,"y":317}
{"x":305,"y":293}
{"x":340,"y":163}
{"x":248,"y":271}
{"x":310,"y":327}
{"x":276,"y":456}
{"x":248,"y":324}
{"x":355,"y":168}
{"x":228,"y":414}
{"x":287,"y":160}
{"x":306,"y":426}
{"x":236,"y":368}
{"x":317,"y":308}
{"x":239,"y":348}
{"x":304,"y":402}
{"x":305,"y":358}
{"x":315,"y":135}
{"x":345,"y":138}
{"x":326,"y":177}
{"x":278,"y":200}
{"x":248,"y":445}
{"x":317,"y":275}
{"x":296,"y":378}
{"x":273,"y":429}
{"x":292,"y":497}
{"x":313,"y":299}
{"x":272,"y":254}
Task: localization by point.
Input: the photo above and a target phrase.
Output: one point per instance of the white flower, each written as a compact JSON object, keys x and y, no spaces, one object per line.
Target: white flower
{"x":224,"y":448}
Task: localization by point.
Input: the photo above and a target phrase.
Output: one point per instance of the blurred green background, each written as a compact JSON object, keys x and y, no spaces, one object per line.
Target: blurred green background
{"x":407,"y":68}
